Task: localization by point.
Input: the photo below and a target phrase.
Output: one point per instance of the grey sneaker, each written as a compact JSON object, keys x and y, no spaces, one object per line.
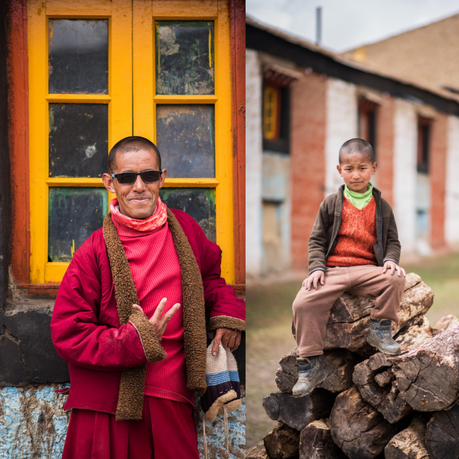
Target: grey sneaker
{"x":310,"y":374}
{"x":380,"y":336}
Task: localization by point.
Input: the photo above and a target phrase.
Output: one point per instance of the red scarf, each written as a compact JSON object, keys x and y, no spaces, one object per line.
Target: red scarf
{"x":156,"y":220}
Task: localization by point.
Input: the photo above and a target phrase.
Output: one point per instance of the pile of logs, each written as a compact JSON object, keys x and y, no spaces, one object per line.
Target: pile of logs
{"x":372,"y":405}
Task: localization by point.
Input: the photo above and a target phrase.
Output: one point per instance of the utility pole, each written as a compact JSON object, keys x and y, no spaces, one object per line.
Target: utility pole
{"x":318,"y":25}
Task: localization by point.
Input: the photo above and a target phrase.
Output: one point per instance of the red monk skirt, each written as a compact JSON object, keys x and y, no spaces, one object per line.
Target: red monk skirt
{"x":167,"y":430}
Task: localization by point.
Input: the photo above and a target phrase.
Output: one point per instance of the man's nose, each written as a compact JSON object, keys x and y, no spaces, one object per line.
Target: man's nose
{"x":139,"y":184}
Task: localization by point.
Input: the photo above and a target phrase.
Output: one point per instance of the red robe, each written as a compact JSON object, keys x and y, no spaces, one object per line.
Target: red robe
{"x":85,"y":325}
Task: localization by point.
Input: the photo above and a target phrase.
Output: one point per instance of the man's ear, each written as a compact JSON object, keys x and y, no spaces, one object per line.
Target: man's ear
{"x":163,"y":178}
{"x":108,"y":182}
{"x":373,"y":169}
{"x":338,"y":168}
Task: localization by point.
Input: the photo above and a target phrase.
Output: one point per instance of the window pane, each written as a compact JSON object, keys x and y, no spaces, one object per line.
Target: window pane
{"x":197,"y":202}
{"x":78,"y":56}
{"x":74,"y":214}
{"x":184,"y":57}
{"x":185,"y":137}
{"x":78,"y":140}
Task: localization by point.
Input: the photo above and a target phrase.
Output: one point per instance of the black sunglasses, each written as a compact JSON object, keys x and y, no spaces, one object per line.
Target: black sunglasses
{"x":129,"y":178}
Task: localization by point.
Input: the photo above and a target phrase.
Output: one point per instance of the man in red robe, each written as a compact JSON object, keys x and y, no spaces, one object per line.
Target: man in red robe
{"x":130,"y":319}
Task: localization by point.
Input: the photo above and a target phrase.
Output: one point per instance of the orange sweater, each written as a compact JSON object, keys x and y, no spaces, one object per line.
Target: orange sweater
{"x":356,"y":236}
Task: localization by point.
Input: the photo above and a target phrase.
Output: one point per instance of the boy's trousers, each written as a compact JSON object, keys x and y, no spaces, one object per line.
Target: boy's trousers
{"x":311,"y":309}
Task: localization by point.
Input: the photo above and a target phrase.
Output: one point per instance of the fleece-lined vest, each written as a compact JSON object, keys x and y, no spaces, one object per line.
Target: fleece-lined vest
{"x":132,"y":383}
{"x":356,"y":236}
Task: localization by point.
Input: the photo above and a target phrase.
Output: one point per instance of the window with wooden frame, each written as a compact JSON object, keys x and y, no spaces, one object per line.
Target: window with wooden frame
{"x":423,"y":144}
{"x":276,"y":111}
{"x":101,"y":71}
{"x":367,"y":121}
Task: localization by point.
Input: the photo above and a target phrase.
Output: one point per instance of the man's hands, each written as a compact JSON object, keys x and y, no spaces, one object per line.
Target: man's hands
{"x":390,"y":265}
{"x":229,"y":338}
{"x":314,"y":279}
{"x":159,"y":323}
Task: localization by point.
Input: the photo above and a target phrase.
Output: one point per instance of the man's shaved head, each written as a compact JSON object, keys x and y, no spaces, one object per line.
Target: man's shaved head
{"x":128,"y":144}
{"x":357,"y":146}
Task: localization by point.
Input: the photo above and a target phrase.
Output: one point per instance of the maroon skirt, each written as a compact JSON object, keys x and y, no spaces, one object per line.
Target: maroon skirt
{"x":167,"y":430}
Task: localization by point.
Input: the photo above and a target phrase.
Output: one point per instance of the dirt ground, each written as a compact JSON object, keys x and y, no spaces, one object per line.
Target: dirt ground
{"x":269,"y":320}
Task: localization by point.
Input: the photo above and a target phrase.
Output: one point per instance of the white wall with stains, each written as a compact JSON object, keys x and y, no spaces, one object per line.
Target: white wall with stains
{"x":405,"y":150}
{"x":452,"y":183}
{"x":341,"y":126}
{"x":254,"y":81}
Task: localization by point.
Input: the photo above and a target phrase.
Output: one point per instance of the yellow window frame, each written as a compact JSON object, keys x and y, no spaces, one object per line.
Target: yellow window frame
{"x":119,"y":100}
{"x":270,"y":115}
{"x":132,"y":104}
{"x":145,"y":13}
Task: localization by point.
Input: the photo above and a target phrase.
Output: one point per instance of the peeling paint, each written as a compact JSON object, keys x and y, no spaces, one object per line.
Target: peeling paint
{"x":33,"y":425}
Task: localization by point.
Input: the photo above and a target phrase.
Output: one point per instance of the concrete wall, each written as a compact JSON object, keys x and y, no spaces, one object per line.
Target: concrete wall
{"x":33,"y":424}
{"x":341,"y":126}
{"x":452,"y":183}
{"x":405,"y":137}
{"x":254,"y":83}
{"x":276,"y":192}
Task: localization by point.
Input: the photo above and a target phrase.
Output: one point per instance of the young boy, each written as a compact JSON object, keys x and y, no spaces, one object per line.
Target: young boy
{"x":353,"y":248}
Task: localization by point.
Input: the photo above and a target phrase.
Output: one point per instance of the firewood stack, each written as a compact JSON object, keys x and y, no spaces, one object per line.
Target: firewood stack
{"x":372,"y":405}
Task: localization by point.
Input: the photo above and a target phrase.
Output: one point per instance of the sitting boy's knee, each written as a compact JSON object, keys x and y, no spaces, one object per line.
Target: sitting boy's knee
{"x":397,"y":281}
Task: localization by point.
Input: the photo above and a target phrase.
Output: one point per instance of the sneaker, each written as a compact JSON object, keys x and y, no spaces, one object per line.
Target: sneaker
{"x":380,"y":337}
{"x":310,"y":374}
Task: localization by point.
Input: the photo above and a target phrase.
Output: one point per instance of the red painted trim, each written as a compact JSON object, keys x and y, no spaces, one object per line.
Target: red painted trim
{"x":18,"y":108}
{"x":437,"y":168}
{"x":237,"y":29}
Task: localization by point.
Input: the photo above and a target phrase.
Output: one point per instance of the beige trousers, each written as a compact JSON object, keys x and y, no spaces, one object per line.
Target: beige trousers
{"x":311,"y":309}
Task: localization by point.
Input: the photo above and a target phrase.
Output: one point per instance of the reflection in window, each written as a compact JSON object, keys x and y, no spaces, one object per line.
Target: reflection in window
{"x":78,"y":140}
{"x":78,"y":56}
{"x":185,"y":137}
{"x":423,"y":144}
{"x":184,"y":57}
{"x":74,"y":214}
{"x":367,"y":121}
{"x":197,"y":202}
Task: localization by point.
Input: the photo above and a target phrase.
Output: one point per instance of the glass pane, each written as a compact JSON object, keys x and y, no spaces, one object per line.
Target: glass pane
{"x":74,"y":214}
{"x":185,"y":137}
{"x":199,"y":203}
{"x":78,"y":56}
{"x":78,"y":140}
{"x":184,"y":57}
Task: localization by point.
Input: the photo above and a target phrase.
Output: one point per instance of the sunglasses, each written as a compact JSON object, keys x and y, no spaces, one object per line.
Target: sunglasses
{"x":129,"y":178}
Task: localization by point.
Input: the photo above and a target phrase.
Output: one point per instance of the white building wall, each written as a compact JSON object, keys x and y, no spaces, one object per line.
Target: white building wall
{"x":452,"y":183}
{"x":341,"y":126}
{"x":405,"y":150}
{"x":254,"y":83}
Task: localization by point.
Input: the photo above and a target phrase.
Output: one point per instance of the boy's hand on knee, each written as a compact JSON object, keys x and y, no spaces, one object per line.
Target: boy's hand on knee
{"x":314,"y":279}
{"x":393,"y":267}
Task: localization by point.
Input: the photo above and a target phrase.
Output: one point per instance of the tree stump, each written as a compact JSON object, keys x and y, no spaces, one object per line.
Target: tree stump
{"x":445,"y":323}
{"x":338,"y":366}
{"x":298,"y":412}
{"x":282,"y":442}
{"x":442,"y":434}
{"x":316,"y":442}
{"x":257,"y":452}
{"x":350,"y":316}
{"x":409,"y":443}
{"x":426,"y":378}
{"x":357,"y":428}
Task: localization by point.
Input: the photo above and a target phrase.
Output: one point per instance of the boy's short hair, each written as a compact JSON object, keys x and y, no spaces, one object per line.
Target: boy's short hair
{"x":357,"y":146}
{"x":132,"y":143}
